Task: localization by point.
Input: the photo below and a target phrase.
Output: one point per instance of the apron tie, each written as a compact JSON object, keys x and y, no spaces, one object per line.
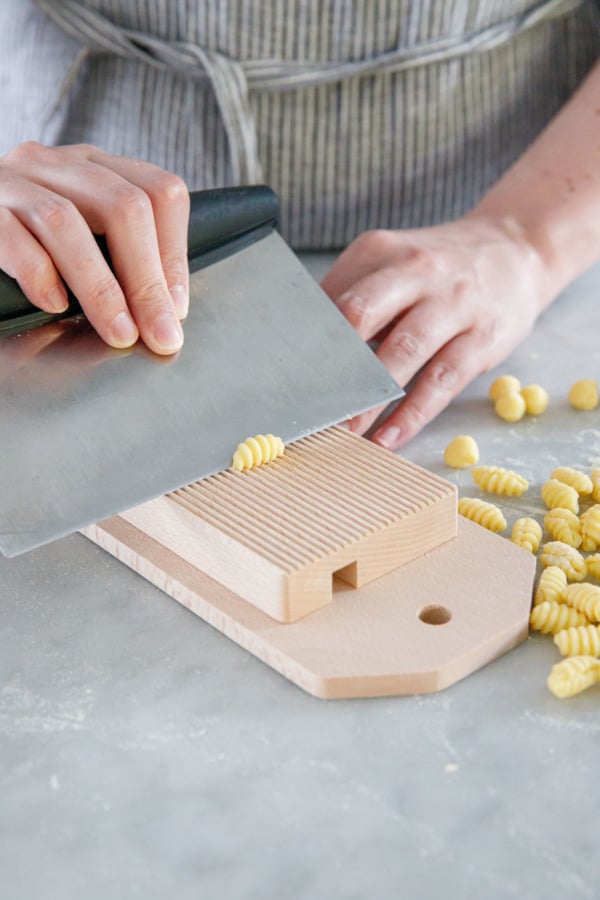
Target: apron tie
{"x":231,"y":80}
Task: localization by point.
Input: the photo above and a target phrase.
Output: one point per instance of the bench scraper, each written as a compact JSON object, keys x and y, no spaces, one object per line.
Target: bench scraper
{"x":87,"y":431}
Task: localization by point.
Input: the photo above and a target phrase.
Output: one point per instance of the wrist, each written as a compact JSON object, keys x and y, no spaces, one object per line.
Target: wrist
{"x":534,"y":248}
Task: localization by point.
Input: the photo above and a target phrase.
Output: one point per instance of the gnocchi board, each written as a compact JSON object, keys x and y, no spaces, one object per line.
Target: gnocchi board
{"x":436,"y":597}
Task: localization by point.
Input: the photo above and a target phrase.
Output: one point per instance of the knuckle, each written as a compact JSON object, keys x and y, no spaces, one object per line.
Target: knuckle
{"x":176,"y":265}
{"x":413,"y":417}
{"x":422,"y":258}
{"x":406,"y":343}
{"x":443,"y":375}
{"x":152,"y":296}
{"x":55,"y":213}
{"x":354,"y":306}
{"x":104,"y":294}
{"x":373,"y":241}
{"x":38,"y":272}
{"x":26,"y":152}
{"x":131,"y":201}
{"x":171,"y":189}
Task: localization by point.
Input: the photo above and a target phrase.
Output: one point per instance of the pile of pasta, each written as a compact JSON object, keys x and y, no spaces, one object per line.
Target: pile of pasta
{"x":566,"y":603}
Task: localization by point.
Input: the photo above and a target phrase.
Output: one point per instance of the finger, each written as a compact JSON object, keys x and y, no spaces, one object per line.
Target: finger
{"x":443,"y":378}
{"x":60,"y":228}
{"x":358,"y":259}
{"x":22,"y":257}
{"x":378,"y":298}
{"x":374,"y":250}
{"x":360,"y":424}
{"x":415,"y":339}
{"x":114,"y":206}
{"x":123,"y":211}
{"x":420,"y":334}
{"x":170,"y":201}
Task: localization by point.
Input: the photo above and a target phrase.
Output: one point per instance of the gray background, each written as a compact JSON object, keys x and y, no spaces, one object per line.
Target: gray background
{"x":142,"y":754}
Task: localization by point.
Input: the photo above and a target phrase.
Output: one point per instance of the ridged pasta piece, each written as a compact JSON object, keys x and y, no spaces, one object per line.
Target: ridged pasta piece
{"x":590,"y":528}
{"x":595,"y":479}
{"x":499,"y":481}
{"x":585,"y":598}
{"x":593,"y":565}
{"x":556,"y":493}
{"x":485,"y":514}
{"x":550,"y":618}
{"x":583,"y":640}
{"x":574,"y":478}
{"x":563,"y":525}
{"x":254,"y":451}
{"x":572,"y":675}
{"x":551,"y":586}
{"x":527,"y":533}
{"x":557,"y":553}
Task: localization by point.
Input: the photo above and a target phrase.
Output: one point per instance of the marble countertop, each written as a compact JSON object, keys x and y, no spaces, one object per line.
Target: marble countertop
{"x":142,"y":754}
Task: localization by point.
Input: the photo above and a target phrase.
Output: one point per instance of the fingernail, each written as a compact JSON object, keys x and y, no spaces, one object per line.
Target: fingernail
{"x":124,"y":330}
{"x":57,"y":298}
{"x":388,"y":437}
{"x":168,"y":333}
{"x":180,"y":300}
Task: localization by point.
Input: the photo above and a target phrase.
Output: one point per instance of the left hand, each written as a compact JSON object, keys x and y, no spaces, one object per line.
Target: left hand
{"x":447,"y":302}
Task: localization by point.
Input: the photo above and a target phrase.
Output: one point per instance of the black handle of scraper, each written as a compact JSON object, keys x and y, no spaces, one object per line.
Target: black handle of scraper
{"x":222,"y":221}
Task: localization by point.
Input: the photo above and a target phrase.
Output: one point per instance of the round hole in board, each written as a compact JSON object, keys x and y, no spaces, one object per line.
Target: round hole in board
{"x":435,"y":615}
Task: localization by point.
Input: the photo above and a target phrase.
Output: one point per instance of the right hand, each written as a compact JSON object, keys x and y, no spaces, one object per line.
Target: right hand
{"x":52,"y":202}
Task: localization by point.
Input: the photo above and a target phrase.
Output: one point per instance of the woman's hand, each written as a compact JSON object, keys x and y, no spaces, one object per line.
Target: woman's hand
{"x":447,"y":302}
{"x":53,"y":201}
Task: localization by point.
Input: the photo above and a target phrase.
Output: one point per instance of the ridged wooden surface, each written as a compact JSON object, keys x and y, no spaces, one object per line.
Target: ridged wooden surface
{"x":296,"y":510}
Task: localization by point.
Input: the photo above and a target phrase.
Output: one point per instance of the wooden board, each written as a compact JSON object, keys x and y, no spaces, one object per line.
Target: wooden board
{"x":376,"y":640}
{"x":276,"y":535}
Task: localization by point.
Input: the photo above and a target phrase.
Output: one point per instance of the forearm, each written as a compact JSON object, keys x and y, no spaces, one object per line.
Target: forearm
{"x":550,"y":197}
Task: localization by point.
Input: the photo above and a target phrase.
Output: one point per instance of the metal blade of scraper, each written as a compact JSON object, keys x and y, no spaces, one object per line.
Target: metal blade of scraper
{"x":87,"y":431}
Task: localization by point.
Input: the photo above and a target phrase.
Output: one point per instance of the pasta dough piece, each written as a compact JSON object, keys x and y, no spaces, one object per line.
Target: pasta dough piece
{"x":536,"y":399}
{"x":503,"y":385}
{"x":573,"y":675}
{"x":510,"y":407}
{"x":499,"y":481}
{"x":584,"y":394}
{"x":461,"y":452}
{"x":573,"y":477}
{"x":485,"y":514}
{"x":592,"y":564}
{"x":583,"y":640}
{"x":527,"y":533}
{"x":557,"y":494}
{"x":595,"y":479}
{"x":557,"y":553}
{"x":254,"y":451}
{"x":551,"y":586}
{"x":563,"y":525}
{"x":585,"y":598}
{"x":590,"y":528}
{"x":550,"y":618}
